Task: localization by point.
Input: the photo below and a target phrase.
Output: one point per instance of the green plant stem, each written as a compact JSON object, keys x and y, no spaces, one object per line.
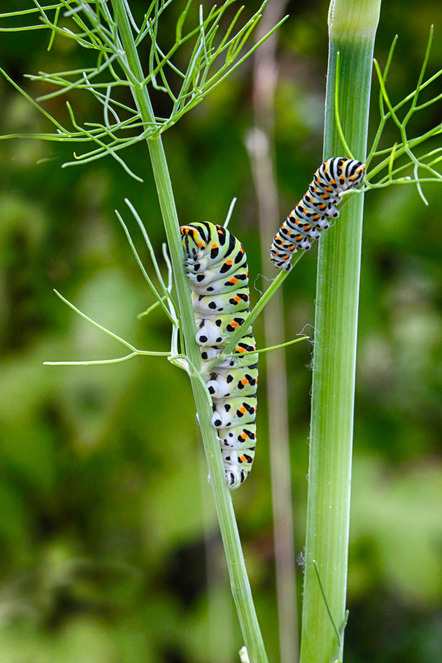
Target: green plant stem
{"x":229,"y":531}
{"x":352,"y":31}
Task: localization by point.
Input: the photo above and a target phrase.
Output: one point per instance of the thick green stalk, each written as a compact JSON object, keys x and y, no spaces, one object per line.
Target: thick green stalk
{"x":229,"y":531}
{"x":352,"y":31}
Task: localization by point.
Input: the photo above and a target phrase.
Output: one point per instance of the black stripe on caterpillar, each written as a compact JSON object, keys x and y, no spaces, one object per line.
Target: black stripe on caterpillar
{"x":216,"y":266}
{"x":312,"y":214}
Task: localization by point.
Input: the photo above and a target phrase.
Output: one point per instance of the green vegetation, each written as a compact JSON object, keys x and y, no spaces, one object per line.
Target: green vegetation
{"x":105,"y":502}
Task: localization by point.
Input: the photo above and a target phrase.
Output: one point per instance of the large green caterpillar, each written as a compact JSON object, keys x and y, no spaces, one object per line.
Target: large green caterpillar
{"x":216,"y":266}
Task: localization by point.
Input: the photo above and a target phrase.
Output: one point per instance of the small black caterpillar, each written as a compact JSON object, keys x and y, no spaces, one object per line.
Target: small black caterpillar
{"x":311,"y":215}
{"x":216,"y":266}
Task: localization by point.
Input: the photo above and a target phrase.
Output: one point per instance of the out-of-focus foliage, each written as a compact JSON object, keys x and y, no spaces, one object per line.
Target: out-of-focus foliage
{"x":105,"y":512}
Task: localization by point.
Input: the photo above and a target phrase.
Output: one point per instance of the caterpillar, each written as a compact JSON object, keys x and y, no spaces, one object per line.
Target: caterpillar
{"x":311,"y":215}
{"x":216,"y":266}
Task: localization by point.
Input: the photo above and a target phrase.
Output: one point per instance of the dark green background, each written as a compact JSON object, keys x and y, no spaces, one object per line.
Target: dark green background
{"x":105,"y":513}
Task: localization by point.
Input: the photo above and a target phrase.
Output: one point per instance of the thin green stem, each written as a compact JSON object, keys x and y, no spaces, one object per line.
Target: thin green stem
{"x":156,"y":267}
{"x":156,"y":294}
{"x":23,"y":12}
{"x":269,"y":349}
{"x":95,"y":324}
{"x":406,"y":145}
{"x":332,"y":621}
{"x":102,"y":362}
{"x":382,"y":76}
{"x":421,"y":77}
{"x":337,"y":115}
{"x":229,"y":531}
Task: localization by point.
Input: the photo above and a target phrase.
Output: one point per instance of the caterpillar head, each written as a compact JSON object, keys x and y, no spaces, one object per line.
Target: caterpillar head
{"x":357,"y":174}
{"x":193,"y":239}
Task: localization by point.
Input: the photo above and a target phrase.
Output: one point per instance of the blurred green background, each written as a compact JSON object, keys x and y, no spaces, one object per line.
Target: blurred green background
{"x":109,"y":547}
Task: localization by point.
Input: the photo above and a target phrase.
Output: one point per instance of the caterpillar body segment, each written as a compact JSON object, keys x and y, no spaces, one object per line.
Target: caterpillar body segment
{"x":224,"y":384}
{"x":233,"y":300}
{"x":311,"y":215}
{"x":216,"y":266}
{"x":232,"y":412}
{"x":237,"y":466}
{"x":217,"y":331}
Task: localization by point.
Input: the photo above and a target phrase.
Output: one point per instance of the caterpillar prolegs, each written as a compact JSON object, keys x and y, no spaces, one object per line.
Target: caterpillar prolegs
{"x":216,"y":266}
{"x":311,"y":215}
